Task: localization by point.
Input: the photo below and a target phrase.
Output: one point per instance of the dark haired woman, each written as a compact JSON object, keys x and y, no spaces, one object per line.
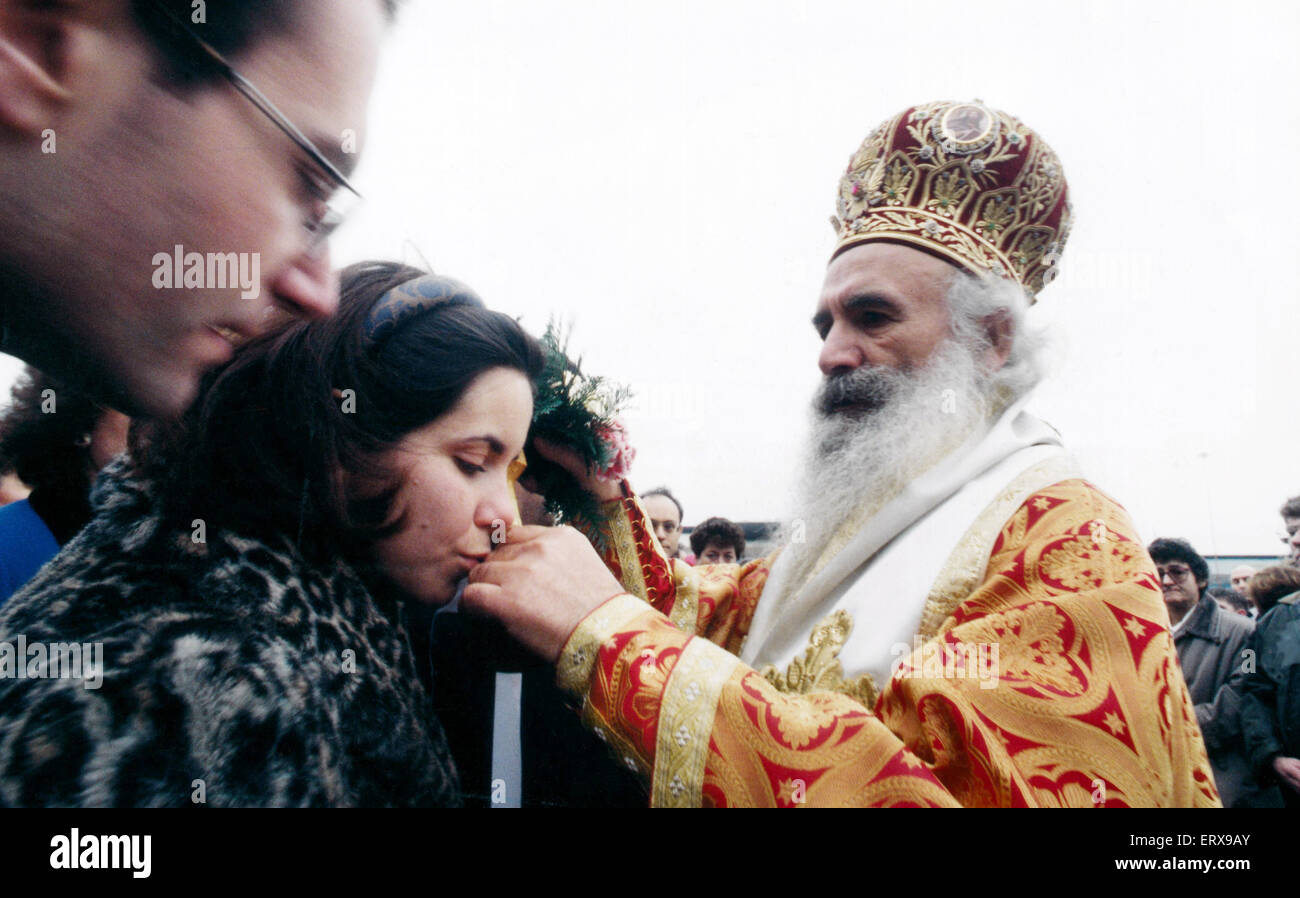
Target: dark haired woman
{"x":247,"y":578}
{"x":56,"y":440}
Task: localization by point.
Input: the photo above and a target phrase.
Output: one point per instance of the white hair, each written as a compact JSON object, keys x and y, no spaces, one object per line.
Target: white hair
{"x":855,"y":462}
{"x":971,"y":300}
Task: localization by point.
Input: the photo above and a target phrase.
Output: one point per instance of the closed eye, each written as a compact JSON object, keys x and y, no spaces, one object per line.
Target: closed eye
{"x":315,"y":184}
{"x":316,"y":193}
{"x":469,"y":467}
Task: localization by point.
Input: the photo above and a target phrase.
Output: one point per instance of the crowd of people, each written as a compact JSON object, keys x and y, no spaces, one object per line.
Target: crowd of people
{"x":1229,"y":652}
{"x":714,"y":540}
{"x":289,"y":587}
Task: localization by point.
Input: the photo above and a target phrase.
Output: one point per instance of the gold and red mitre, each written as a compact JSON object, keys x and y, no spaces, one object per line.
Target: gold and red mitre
{"x":967,"y":182}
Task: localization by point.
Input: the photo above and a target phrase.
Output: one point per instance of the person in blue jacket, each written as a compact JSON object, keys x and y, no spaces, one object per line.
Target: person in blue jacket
{"x":55,"y":440}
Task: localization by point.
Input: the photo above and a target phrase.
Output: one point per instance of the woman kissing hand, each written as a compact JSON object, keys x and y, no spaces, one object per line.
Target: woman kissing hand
{"x":540,"y":584}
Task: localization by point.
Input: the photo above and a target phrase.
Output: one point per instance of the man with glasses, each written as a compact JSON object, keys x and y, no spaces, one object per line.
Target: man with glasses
{"x":137,"y":131}
{"x":1210,"y":644}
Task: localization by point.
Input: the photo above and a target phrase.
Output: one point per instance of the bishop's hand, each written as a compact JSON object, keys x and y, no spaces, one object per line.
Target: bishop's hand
{"x":577,"y":468}
{"x":540,"y":584}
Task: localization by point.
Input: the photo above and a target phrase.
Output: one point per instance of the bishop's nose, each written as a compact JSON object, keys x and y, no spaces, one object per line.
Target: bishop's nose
{"x":839,"y":354}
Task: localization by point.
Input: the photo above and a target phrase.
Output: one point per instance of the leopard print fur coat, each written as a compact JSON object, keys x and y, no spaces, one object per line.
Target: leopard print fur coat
{"x":233,"y":674}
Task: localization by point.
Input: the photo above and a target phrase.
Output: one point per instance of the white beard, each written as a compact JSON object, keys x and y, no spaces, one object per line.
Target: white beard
{"x":856,"y":461}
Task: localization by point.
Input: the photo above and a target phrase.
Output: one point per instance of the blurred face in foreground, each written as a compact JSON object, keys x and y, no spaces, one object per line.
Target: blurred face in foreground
{"x":454,"y":495}
{"x":141,"y":166}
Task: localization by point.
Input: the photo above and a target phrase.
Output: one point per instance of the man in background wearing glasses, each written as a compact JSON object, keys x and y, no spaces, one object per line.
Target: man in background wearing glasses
{"x":130,"y":129}
{"x":1210,"y":644}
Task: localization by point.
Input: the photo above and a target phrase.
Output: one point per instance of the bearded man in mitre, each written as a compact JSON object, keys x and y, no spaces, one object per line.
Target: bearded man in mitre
{"x":958,"y":617}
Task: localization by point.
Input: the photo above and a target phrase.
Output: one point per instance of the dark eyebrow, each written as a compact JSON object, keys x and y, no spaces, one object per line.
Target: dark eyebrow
{"x":870,"y":302}
{"x":495,"y":446}
{"x":856,"y":305}
{"x":821,"y":322}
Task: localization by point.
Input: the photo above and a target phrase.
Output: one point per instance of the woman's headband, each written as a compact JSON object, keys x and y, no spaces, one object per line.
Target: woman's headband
{"x":412,"y":298}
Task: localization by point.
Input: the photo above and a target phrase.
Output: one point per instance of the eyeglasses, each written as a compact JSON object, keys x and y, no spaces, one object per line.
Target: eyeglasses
{"x":1175,"y":571}
{"x":334,"y":201}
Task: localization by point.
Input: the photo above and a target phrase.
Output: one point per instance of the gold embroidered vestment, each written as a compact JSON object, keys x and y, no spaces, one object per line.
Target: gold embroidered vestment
{"x":1087,"y":706}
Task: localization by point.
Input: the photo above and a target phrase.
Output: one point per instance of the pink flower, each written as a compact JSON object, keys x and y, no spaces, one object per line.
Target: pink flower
{"x":621,"y":453}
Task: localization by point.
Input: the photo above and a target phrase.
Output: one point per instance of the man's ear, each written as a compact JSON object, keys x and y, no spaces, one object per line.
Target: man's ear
{"x":33,"y":48}
{"x":1001,"y":333}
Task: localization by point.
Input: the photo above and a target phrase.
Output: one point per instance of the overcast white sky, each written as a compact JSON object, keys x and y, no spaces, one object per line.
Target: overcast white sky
{"x":662,"y":175}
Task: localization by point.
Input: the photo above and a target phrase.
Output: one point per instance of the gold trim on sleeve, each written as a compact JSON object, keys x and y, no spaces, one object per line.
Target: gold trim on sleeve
{"x":624,"y":546}
{"x":686,"y":714}
{"x":578,"y":657}
{"x":685,"y":613}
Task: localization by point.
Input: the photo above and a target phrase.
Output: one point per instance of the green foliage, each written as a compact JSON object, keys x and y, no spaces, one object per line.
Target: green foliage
{"x":576,"y":411}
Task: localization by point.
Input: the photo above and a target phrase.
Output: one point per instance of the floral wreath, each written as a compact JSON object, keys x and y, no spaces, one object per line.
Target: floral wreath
{"x":579,"y":412}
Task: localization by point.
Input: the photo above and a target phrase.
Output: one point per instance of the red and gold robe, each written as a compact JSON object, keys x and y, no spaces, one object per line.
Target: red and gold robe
{"x":1088,"y":707}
